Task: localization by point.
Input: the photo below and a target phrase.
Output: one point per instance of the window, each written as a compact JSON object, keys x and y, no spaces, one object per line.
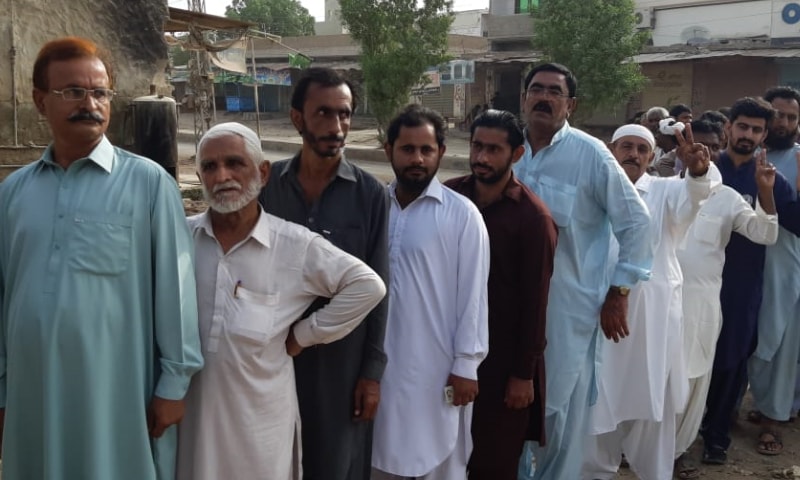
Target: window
{"x":525,"y":6}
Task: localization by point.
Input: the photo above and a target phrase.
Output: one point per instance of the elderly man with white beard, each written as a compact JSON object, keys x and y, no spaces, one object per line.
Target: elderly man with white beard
{"x":642,"y":380}
{"x":256,"y":275}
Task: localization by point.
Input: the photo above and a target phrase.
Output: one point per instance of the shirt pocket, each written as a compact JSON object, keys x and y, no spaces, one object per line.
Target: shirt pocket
{"x":254,"y":318}
{"x":708,"y":229}
{"x":560,"y":199}
{"x":101,"y":243}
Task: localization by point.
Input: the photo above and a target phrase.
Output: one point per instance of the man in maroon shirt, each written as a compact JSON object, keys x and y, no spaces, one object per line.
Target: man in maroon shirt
{"x":522,"y":235}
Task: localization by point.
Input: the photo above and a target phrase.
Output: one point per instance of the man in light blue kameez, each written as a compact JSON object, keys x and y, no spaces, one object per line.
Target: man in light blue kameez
{"x":774,"y":363}
{"x":98,"y":308}
{"x":590,"y":198}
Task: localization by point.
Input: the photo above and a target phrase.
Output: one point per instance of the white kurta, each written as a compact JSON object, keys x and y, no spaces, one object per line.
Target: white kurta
{"x":437,"y":325}
{"x":637,"y":373}
{"x":702,"y":256}
{"x":242,"y":417}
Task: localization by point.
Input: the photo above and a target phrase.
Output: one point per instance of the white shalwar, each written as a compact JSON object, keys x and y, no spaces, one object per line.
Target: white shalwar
{"x":702,"y":256}
{"x":642,"y":379}
{"x":242,"y":419}
{"x":437,"y":326}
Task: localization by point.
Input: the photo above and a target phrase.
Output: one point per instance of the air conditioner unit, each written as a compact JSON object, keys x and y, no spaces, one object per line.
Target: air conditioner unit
{"x":643,"y":18}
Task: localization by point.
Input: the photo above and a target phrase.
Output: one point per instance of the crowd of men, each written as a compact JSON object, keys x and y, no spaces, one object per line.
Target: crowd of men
{"x":314,"y":323}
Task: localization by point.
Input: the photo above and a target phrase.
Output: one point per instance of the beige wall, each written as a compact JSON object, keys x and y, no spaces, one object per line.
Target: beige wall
{"x":706,"y":84}
{"x":669,"y":83}
{"x":132,"y":30}
{"x":720,"y":83}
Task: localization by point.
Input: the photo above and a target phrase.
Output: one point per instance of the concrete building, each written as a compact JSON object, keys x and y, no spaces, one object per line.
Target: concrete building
{"x":467,"y":22}
{"x":705,"y":53}
{"x":708,"y":54}
{"x":332,"y":23}
{"x":508,"y":27}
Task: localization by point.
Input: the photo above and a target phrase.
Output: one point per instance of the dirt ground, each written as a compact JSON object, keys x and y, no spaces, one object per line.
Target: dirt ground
{"x":744,"y":463}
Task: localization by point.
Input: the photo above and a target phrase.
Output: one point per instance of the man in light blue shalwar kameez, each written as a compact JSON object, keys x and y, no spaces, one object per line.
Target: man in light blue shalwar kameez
{"x":590,"y":198}
{"x":774,"y":362}
{"x":98,"y":308}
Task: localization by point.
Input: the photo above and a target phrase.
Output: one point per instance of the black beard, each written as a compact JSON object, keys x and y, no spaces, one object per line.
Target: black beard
{"x":314,"y":142}
{"x":775,"y":142}
{"x":493,"y":179}
{"x":742,"y":150}
{"x":414,"y":186}
{"x":490,"y":180}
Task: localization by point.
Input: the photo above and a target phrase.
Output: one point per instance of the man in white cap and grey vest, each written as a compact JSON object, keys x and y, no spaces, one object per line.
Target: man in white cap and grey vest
{"x":642,"y":381}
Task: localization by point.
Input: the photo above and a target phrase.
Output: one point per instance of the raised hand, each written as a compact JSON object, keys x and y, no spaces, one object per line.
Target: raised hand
{"x":765,"y":172}
{"x":695,"y":156}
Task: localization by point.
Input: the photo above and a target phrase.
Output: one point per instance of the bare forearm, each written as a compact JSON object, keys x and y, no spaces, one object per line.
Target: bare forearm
{"x":767,"y":201}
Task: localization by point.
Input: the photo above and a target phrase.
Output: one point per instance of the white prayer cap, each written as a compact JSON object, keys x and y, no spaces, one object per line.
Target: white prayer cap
{"x":251,"y":141}
{"x":635,"y":130}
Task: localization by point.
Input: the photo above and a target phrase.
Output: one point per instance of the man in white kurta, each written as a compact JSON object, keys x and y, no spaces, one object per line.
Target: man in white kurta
{"x":642,"y":379}
{"x":701,"y":257}
{"x":256,"y":275}
{"x":437,"y":329}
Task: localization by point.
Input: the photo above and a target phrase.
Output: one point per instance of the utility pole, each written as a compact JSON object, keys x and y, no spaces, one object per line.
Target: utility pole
{"x":202,"y":83}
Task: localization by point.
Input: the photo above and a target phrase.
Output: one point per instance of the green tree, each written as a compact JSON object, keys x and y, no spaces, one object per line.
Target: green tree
{"x":596,"y":39}
{"x":286,"y":18}
{"x":399,"y":40}
{"x":179,"y":56}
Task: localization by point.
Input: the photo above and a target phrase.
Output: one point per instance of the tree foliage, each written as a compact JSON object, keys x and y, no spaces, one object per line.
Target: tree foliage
{"x":286,"y":18}
{"x":596,"y":39}
{"x":399,"y":40}
{"x":179,"y":56}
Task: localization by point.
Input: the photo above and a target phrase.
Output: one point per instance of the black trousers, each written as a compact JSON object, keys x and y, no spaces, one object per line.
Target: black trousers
{"x":723,"y":394}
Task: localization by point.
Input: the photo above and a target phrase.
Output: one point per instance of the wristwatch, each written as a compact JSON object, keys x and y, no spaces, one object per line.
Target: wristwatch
{"x":623,"y":291}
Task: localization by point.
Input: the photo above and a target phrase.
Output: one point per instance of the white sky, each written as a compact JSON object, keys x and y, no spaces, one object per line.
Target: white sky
{"x":316,"y":7}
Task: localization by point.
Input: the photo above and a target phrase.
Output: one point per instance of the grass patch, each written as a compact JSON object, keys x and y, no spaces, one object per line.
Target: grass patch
{"x":194,"y":194}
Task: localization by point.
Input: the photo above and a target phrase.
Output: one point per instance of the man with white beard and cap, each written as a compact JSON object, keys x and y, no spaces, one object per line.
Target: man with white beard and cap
{"x":256,"y":275}
{"x":642,"y":379}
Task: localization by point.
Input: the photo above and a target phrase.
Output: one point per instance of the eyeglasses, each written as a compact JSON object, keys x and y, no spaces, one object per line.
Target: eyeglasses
{"x":546,"y":92}
{"x":77,"y":94}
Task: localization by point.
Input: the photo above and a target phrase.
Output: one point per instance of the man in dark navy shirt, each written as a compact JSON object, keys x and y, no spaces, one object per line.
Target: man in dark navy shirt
{"x":741,"y":163}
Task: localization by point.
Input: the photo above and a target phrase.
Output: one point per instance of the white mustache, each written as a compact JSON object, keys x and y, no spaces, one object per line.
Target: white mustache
{"x":227,"y":185}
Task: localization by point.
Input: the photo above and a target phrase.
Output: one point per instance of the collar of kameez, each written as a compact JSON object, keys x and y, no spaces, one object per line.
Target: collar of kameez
{"x":513,"y":189}
{"x":102,"y":155}
{"x":345,"y":169}
{"x":643,"y":183}
{"x":560,"y":134}
{"x":433,"y":190}
{"x":260,"y":232}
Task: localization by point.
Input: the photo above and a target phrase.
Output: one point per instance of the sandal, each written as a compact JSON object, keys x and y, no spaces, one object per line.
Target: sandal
{"x":769,"y":443}
{"x":754,"y":416}
{"x":685,"y":469}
